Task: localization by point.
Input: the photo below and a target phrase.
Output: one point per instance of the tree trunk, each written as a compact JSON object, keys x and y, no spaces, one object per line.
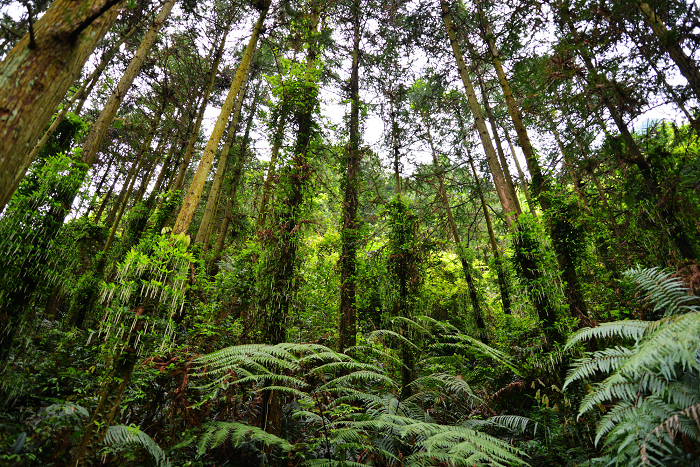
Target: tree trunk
{"x":396,"y":150}
{"x":133,"y":173}
{"x":570,"y":168}
{"x":564,"y":252}
{"x":502,"y":282}
{"x":215,"y":191}
{"x":524,"y":245}
{"x":122,"y":207}
{"x":499,"y":147}
{"x":267,"y":187}
{"x":81,"y":94}
{"x":150,"y":170}
{"x":686,"y":65}
{"x":509,"y":207}
{"x":33,"y":80}
{"x":521,"y":175}
{"x":104,"y":121}
{"x":235,"y":182}
{"x":189,"y":205}
{"x":349,"y":233}
{"x":676,"y":231}
{"x":98,"y":188}
{"x":110,"y":395}
{"x":98,"y":214}
{"x":466,"y":267}
{"x":194,"y":134}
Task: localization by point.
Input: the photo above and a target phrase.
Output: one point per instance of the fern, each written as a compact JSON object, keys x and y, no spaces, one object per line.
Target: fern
{"x":654,"y":385}
{"x":219,"y":432}
{"x":379,"y":425}
{"x":119,"y":436}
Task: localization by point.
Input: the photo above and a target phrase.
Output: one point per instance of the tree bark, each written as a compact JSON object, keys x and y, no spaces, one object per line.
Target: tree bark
{"x":529,"y":267}
{"x":111,"y":394}
{"x":349,"y":233}
{"x":497,"y":139}
{"x":189,"y":205}
{"x":104,"y":121}
{"x":33,"y":80}
{"x":502,"y":282}
{"x":194,"y":134}
{"x":235,"y":182}
{"x":509,"y":207}
{"x":686,"y":65}
{"x":271,"y":168}
{"x":205,"y":226}
{"x":466,"y":267}
{"x":521,"y":175}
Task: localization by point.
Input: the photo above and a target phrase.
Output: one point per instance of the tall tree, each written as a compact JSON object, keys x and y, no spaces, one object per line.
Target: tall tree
{"x":351,"y":180}
{"x":36,"y":74}
{"x":191,"y":201}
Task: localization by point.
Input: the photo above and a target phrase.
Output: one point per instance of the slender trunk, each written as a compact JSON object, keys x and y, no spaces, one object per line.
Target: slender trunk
{"x":570,"y":168}
{"x":98,"y":188}
{"x":111,"y":394}
{"x":122,"y":208}
{"x":349,"y":232}
{"x":533,"y":165}
{"x":205,"y":226}
{"x":509,"y":207}
{"x":267,"y":187}
{"x":297,"y":175}
{"x":565,"y":253}
{"x":189,"y":205}
{"x":161,"y":174}
{"x":104,"y":121}
{"x":133,"y":173}
{"x":98,"y":214}
{"x":33,"y":80}
{"x":676,"y":231}
{"x":521,"y":175}
{"x":686,"y":65}
{"x":497,"y":139}
{"x":150,"y":170}
{"x":235,"y":182}
{"x":194,"y":134}
{"x":502,"y":282}
{"x":288,"y":221}
{"x":395,"y":146}
{"x":466,"y":267}
{"x":524,"y":245}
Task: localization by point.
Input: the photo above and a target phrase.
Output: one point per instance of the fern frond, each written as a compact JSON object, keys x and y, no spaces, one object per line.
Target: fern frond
{"x":238,"y":433}
{"x":119,"y":436}
{"x":486,"y":350}
{"x":515,"y":423}
{"x":449,"y":383}
{"x":412,"y":324}
{"x":380,"y":333}
{"x":362,"y":376}
{"x":66,"y":409}
{"x":665,"y":292}
{"x":630,"y":329}
{"x":374,"y":351}
{"x":601,"y":361}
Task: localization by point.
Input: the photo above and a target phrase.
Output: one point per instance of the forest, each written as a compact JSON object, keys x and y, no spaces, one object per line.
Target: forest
{"x":383,"y":233}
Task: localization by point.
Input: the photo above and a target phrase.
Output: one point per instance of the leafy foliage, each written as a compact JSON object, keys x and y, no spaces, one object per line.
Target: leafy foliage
{"x":352,"y":403}
{"x":651,"y":389}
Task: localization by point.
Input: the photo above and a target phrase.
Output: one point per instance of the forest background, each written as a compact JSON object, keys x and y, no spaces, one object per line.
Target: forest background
{"x":349,"y":232}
